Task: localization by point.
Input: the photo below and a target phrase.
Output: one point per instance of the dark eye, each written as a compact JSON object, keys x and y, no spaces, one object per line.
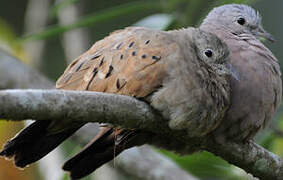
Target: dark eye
{"x":241,"y":21}
{"x":208,"y":53}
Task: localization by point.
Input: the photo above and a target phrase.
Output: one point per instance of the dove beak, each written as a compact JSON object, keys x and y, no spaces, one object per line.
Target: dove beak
{"x":263,"y":34}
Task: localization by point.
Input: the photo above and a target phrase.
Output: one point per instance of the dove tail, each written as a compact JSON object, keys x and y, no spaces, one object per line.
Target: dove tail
{"x":34,"y":142}
{"x":104,"y":147}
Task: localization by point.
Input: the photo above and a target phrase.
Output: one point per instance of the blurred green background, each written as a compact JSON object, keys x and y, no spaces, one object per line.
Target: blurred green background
{"x":49,"y":34}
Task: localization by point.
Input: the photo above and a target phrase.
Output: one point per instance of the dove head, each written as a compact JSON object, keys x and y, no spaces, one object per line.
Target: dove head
{"x":213,"y":52}
{"x":236,"y":19}
{"x":209,"y":48}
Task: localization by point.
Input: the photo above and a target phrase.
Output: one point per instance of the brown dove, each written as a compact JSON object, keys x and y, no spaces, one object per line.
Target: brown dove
{"x":256,"y":94}
{"x":182,"y":74}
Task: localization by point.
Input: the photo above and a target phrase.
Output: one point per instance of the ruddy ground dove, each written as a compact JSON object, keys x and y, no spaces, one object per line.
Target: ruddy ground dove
{"x":182,"y":74}
{"x":256,"y":94}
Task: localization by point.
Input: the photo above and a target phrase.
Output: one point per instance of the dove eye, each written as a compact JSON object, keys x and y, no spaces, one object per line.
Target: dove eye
{"x":208,"y":53}
{"x":241,"y":21}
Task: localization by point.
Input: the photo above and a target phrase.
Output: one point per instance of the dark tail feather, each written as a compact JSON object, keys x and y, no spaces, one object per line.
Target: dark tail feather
{"x":103,"y":148}
{"x":34,"y":142}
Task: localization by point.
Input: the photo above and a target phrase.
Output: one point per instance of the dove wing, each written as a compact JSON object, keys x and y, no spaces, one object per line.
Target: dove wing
{"x":128,"y":62}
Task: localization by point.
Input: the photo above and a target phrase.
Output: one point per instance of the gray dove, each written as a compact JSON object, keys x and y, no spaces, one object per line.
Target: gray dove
{"x":183,"y":74}
{"x":256,"y":94}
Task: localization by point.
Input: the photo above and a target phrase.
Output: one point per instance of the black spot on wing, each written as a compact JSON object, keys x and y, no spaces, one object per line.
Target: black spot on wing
{"x":93,"y":75}
{"x":109,"y":71}
{"x":157,"y":58}
{"x":79,"y":67}
{"x":118,"y":84}
{"x":101,"y":62}
{"x":131,"y":44}
{"x":95,"y":56}
{"x":119,"y":46}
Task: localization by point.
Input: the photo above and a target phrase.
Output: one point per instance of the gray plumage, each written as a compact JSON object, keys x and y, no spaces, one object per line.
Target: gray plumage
{"x":256,"y":95}
{"x":195,"y":95}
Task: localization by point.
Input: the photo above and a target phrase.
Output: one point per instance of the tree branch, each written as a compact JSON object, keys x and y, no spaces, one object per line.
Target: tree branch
{"x":77,"y":106}
{"x":251,"y":157}
{"x":15,"y":75}
{"x":130,"y":113}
